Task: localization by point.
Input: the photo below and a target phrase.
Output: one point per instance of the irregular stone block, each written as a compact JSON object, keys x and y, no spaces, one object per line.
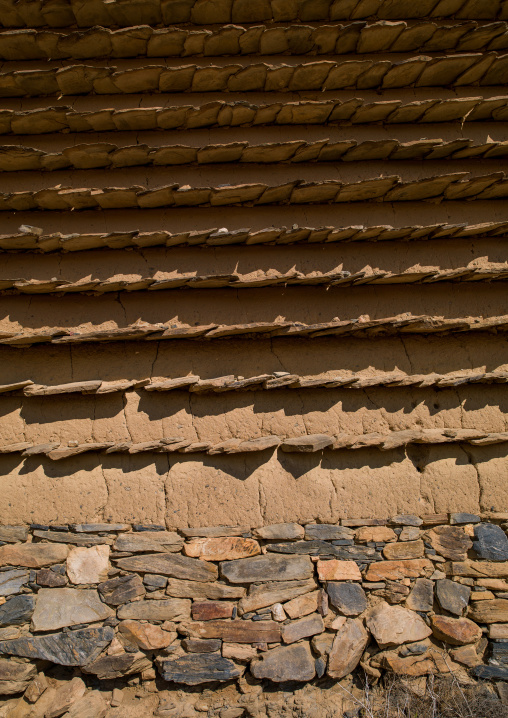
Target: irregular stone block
{"x":367,"y":534}
{"x":33,"y":555}
{"x":396,"y":570}
{"x":394,"y":625}
{"x":153,"y":610}
{"x":238,"y":631}
{"x":452,"y":596}
{"x":222,"y":549}
{"x":491,"y":542}
{"x":199,"y":668}
{"x":50,"y":579}
{"x":145,"y":541}
{"x":198,"y":590}
{"x":490,"y":611}
{"x":68,"y":537}
{"x":126,"y":664}
{"x":12,"y":581}
{"x":347,"y":649}
{"x":210,"y":610}
{"x":59,"y":607}
{"x":312,"y":548}
{"x":17,"y":610}
{"x":328,"y":532}
{"x":267,"y":568}
{"x":479,"y":569}
{"x":287,"y":663}
{"x":122,"y":589}
{"x":450,"y":541}
{"x":205,"y":645}
{"x":457,"y":631}
{"x":403,"y":550}
{"x":182,"y":567}
{"x":491,"y":673}
{"x":421,"y":597}
{"x":348,"y":598}
{"x":88,"y":565}
{"x":146,"y":636}
{"x":13,"y":534}
{"x":239,"y":651}
{"x":75,"y":648}
{"x":266,"y":594}
{"x":280,"y":532}
{"x":303,"y":628}
{"x":15,"y":677}
{"x":302,"y":605}
{"x":464,"y":519}
{"x":338,"y":571}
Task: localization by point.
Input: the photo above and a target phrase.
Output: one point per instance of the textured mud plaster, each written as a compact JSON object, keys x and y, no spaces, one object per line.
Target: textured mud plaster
{"x":34,"y":493}
{"x":492,"y":476}
{"x":448,"y":479}
{"x":135,"y":488}
{"x":201,"y":494}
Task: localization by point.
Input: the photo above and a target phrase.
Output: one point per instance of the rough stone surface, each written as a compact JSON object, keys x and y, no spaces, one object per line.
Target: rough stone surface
{"x":335,"y":570}
{"x":280,"y":532}
{"x":396,"y":570}
{"x":394,"y":625}
{"x":145,"y":635}
{"x":421,"y":597}
{"x":347,"y":649}
{"x":450,"y":541}
{"x":367,"y":534}
{"x":59,"y":607}
{"x":12,"y":581}
{"x":287,"y":663}
{"x":17,"y":610}
{"x":267,"y":568}
{"x":452,"y":596}
{"x":175,"y":566}
{"x":266,"y":594}
{"x":348,"y":598}
{"x":88,"y":565}
{"x":238,"y":631}
{"x":222,"y":549}
{"x":490,"y":611}
{"x":210,"y":610}
{"x":199,"y":668}
{"x":15,"y":677}
{"x":146,"y":541}
{"x":457,"y":631}
{"x":303,"y":628}
{"x":74,"y":648}
{"x":302,"y":605}
{"x":199,"y":590}
{"x":122,"y":589}
{"x":32,"y":555}
{"x":403,"y":550}
{"x":491,"y":542}
{"x":109,"y":667}
{"x":156,"y":610}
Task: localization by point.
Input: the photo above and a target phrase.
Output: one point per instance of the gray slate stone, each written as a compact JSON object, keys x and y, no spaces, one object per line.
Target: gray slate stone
{"x":98,"y":528}
{"x":457,"y":519}
{"x":491,"y":673}
{"x":59,"y":607}
{"x":421,"y":597}
{"x":312,"y":548}
{"x":13,"y":534}
{"x":327,"y":532}
{"x":291,"y":663}
{"x":74,"y":648}
{"x":279,"y":532}
{"x":126,"y":664}
{"x":406,"y":520}
{"x":173,"y":565}
{"x":17,"y":610}
{"x":267,"y":568}
{"x":11,"y":581}
{"x":76,"y":539}
{"x":348,"y":598}
{"x":452,"y":597}
{"x":145,"y":541}
{"x":199,"y":668}
{"x":491,"y":542}
{"x":122,"y":589}
{"x":153,"y":610}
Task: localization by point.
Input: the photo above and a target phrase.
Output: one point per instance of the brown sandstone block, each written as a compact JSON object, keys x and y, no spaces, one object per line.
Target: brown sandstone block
{"x":210,"y":610}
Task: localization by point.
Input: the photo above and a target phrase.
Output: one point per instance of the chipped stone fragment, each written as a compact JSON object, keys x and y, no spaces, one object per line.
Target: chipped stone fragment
{"x":394,"y":625}
{"x":421,"y":597}
{"x":15,"y":677}
{"x":450,"y":541}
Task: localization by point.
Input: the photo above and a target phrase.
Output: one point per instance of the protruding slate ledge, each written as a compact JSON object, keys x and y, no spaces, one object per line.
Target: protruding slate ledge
{"x":31,"y":240}
{"x":453,"y":186}
{"x":308,"y":443}
{"x":466,"y":69}
{"x":145,"y":41}
{"x":280,"y":380}
{"x":390,"y":326}
{"x":260,"y":279}
{"x":17,"y":158}
{"x":199,"y":12}
{"x":220,"y":113}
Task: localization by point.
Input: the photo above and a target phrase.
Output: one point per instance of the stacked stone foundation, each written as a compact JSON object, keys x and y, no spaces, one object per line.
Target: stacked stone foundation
{"x":89,"y":608}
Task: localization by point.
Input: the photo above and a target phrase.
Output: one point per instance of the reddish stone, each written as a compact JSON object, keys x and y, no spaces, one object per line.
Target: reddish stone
{"x":457,"y":631}
{"x":208,"y":610}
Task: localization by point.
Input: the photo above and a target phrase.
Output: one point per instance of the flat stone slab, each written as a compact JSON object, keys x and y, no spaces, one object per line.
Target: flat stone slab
{"x":190,"y":569}
{"x":287,"y":663}
{"x":74,"y":648}
{"x":144,"y":541}
{"x":11,"y":581}
{"x":491,"y":673}
{"x":266,"y":594}
{"x":347,"y":649}
{"x":59,"y":607}
{"x":126,"y":664}
{"x":33,"y":555}
{"x":238,"y":631}
{"x":267,"y":568}
{"x":122,"y":589}
{"x":156,"y":610}
{"x":199,"y":590}
{"x":17,"y":610}
{"x":199,"y":668}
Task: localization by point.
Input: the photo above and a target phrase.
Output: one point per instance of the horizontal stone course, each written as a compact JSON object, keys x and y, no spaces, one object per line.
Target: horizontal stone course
{"x":278,"y":616}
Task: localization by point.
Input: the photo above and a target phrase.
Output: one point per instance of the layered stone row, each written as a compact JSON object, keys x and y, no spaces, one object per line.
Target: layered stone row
{"x":281,"y":603}
{"x":14,"y":158}
{"x":205,"y":12}
{"x":34,"y":239}
{"x":222,"y":113}
{"x":486,"y":69}
{"x":358,"y":37}
{"x":277,"y":380}
{"x":445,"y":187}
{"x":359,"y":328}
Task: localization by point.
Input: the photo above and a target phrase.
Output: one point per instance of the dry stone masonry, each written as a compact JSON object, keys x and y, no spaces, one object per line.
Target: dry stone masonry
{"x":253,"y":286}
